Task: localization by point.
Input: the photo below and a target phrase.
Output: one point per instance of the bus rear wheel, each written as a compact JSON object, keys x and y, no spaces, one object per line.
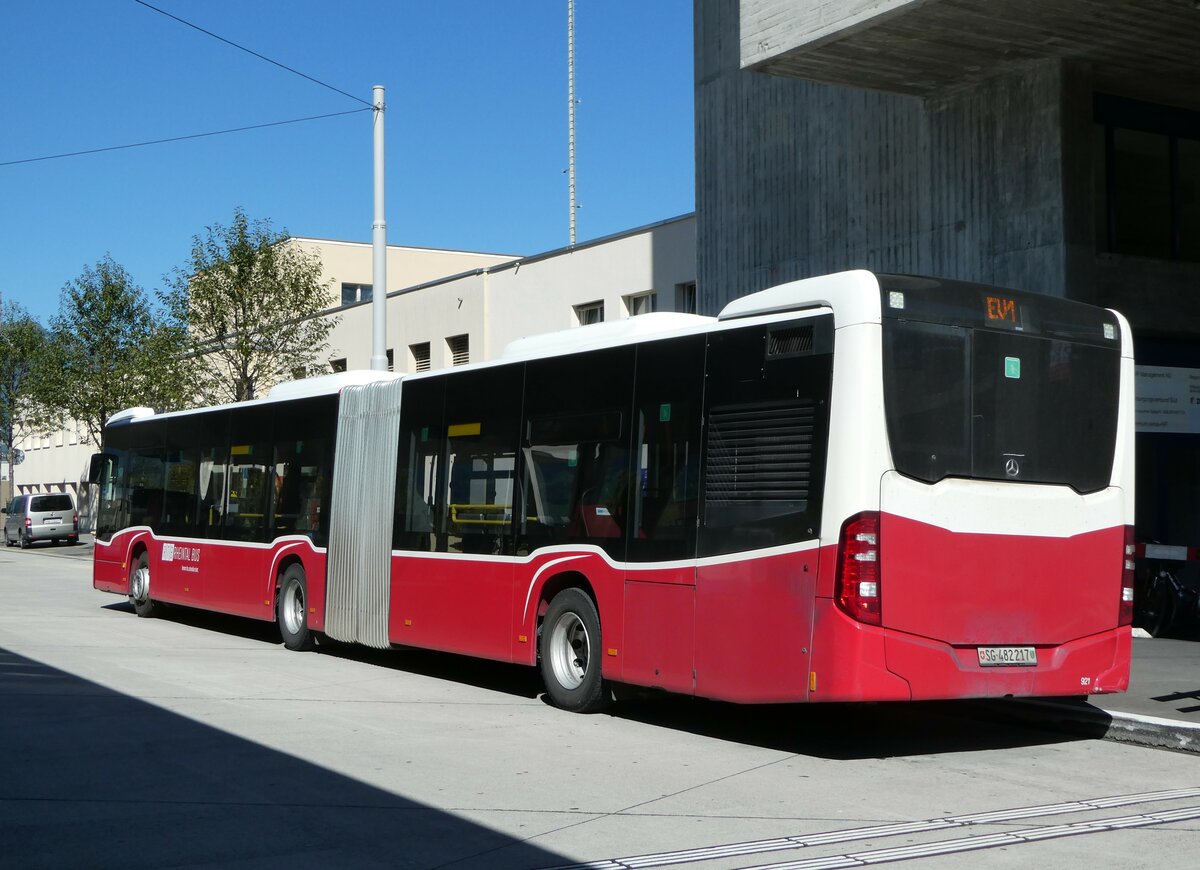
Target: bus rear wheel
{"x":139,"y":588}
{"x":290,"y":610}
{"x":570,"y":654}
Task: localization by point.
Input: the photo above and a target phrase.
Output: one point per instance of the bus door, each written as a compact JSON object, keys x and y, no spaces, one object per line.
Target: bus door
{"x":660,"y":584}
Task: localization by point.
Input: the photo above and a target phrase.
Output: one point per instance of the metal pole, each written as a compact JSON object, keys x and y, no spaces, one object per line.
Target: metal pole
{"x":571,"y":113}
{"x":379,"y":245}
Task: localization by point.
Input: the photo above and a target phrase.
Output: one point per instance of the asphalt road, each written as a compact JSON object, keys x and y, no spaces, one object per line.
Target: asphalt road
{"x":197,"y":740}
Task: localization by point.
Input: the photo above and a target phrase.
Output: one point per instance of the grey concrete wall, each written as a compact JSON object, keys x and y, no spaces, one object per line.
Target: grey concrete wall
{"x":770,"y":27}
{"x":796,"y":178}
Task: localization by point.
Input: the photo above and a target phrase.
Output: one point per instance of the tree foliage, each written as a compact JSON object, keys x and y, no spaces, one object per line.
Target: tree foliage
{"x":109,"y":349}
{"x":248,"y":302}
{"x":22,"y":347}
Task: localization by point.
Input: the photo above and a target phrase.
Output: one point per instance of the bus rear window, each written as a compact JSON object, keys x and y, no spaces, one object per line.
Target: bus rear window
{"x":978,"y":403}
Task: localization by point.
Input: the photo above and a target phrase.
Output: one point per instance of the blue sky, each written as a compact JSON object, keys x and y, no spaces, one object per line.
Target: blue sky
{"x":476,"y":128}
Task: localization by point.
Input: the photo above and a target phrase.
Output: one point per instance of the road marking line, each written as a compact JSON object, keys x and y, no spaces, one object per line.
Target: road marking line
{"x":781,"y":844}
{"x":991,"y":841}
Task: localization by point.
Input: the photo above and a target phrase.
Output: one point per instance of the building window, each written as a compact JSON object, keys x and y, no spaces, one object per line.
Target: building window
{"x":1147,"y":179}
{"x":641,"y":303}
{"x":391,"y":358}
{"x":589,"y":313}
{"x":337,"y":365}
{"x":685,"y":297}
{"x":352,"y":293}
{"x":419,"y":356}
{"x":459,"y":348}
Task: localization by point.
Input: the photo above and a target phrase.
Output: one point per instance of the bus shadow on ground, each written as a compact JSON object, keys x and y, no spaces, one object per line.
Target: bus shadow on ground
{"x":833,"y":731}
{"x":95,"y":778}
{"x":857,"y":731}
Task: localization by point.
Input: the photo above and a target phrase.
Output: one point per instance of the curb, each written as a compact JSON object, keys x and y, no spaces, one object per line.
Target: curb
{"x":1083,"y":719}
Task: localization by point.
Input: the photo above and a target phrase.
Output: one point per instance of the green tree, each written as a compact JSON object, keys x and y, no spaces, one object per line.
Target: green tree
{"x":22,"y":344}
{"x":110,"y":349}
{"x":248,"y":301}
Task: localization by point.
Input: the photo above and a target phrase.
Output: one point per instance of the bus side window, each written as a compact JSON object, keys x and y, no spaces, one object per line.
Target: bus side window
{"x":180,"y":468}
{"x":301,"y":466}
{"x":482,"y":428}
{"x":577,"y":482}
{"x":670,"y":385}
{"x":419,"y":467}
{"x":113,"y":512}
{"x":299,"y":485}
{"x":247,"y":498}
{"x":146,"y":487}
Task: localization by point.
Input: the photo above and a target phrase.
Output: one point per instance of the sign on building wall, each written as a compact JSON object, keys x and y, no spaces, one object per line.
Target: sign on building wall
{"x":1168,"y":399}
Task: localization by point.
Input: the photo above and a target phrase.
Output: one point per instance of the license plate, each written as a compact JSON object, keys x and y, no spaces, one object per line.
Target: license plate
{"x":1007,"y":656}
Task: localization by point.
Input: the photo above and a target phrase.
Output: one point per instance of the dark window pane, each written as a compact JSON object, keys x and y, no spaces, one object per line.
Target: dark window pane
{"x":926,"y":371}
{"x":51,"y":503}
{"x":999,"y":405}
{"x":112,"y":513}
{"x":1100,"y":203}
{"x":303,"y":464}
{"x":180,"y":476}
{"x":1189,"y":199}
{"x":420,"y":467}
{"x":670,"y":387}
{"x":146,"y":487}
{"x":1051,"y":417}
{"x":1142,"y":193}
{"x":482,"y":432}
{"x":575,"y":451}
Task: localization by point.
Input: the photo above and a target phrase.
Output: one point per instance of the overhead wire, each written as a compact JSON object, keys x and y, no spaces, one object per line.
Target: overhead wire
{"x":181,"y":138}
{"x":367,"y":105}
{"x":250,"y":51}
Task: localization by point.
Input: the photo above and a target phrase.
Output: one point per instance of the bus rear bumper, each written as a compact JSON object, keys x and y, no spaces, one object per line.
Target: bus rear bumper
{"x":1089,"y":665}
{"x":856,"y":662}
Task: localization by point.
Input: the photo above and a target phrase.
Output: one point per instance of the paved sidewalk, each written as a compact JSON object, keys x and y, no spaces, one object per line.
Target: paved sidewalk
{"x":1161,"y":708}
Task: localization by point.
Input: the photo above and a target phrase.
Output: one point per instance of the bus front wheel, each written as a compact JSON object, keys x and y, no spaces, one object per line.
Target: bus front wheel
{"x":139,"y":587}
{"x":290,"y":610}
{"x":570,"y":654}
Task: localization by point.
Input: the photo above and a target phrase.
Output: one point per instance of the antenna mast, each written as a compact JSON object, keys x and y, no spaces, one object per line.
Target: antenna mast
{"x":571,"y":114}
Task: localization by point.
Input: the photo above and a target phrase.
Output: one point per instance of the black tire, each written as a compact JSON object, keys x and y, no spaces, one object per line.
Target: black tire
{"x":570,"y":654}
{"x":291,"y":612}
{"x":24,"y":541}
{"x":139,"y":588}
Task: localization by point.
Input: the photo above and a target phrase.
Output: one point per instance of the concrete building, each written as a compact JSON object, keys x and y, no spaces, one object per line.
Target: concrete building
{"x":1049,"y":146}
{"x":453,"y":307}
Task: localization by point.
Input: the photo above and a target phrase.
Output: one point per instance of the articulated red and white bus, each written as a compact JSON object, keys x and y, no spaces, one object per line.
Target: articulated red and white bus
{"x":854,"y":487}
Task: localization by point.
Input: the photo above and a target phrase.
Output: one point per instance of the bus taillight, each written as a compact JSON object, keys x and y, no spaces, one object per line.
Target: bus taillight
{"x":1125,"y":614}
{"x":858,"y":568}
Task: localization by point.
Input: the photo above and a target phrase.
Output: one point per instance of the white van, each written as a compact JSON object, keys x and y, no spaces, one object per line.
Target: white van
{"x":41,"y":517}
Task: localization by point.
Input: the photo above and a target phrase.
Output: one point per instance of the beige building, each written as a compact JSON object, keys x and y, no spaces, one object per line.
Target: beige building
{"x":448,"y":308}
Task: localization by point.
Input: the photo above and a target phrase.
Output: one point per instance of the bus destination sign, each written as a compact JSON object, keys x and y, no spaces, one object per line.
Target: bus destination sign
{"x":1002,"y":311}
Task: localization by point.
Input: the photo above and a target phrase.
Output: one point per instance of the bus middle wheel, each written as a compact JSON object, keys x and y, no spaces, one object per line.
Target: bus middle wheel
{"x":290,"y":610}
{"x":570,"y":654}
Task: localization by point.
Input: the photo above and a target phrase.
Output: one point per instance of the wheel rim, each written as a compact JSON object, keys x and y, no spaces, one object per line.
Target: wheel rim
{"x":293,"y":608}
{"x":139,"y":584}
{"x":570,"y":650}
